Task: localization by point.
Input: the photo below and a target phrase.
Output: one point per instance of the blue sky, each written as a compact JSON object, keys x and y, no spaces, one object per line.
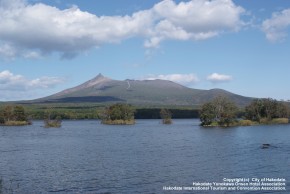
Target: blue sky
{"x":50,"y":45}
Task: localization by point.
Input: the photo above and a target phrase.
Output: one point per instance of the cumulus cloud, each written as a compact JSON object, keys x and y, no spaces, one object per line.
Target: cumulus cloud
{"x":69,"y":32}
{"x":11,"y":82}
{"x":194,"y":20}
{"x":216,"y":78}
{"x":276,"y":27}
{"x":30,"y":28}
{"x":185,"y":79}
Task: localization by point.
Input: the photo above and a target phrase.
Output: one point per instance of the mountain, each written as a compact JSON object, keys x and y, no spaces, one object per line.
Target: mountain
{"x":139,"y":92}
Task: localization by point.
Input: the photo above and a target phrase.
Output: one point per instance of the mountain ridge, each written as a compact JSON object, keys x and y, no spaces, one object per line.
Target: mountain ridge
{"x":96,"y":80}
{"x":102,"y":89}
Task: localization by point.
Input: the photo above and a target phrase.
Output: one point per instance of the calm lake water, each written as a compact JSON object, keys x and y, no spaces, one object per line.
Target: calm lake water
{"x":87,"y":157}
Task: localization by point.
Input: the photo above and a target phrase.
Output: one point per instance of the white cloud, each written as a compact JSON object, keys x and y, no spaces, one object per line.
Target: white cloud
{"x":276,"y":27}
{"x":215,"y":78}
{"x":69,"y":32}
{"x":194,"y":20}
{"x":7,"y":51}
{"x":11,"y":82}
{"x":185,"y":79}
{"x":30,"y":28}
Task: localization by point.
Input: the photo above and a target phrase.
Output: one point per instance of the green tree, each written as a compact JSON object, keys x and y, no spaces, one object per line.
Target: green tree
{"x":220,"y":110}
{"x":229,"y":113}
{"x":207,"y":114}
{"x":2,"y":120}
{"x":8,"y":113}
{"x":283,"y":110}
{"x":118,"y":112}
{"x":270,"y":107}
{"x":226,"y":111}
{"x":19,"y":113}
{"x":255,"y":111}
{"x":51,"y":118}
{"x":266,"y":109}
{"x":166,"y":116}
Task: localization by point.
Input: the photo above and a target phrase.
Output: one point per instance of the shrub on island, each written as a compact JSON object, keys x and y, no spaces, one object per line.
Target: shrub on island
{"x":14,"y":116}
{"x":218,"y":112}
{"x":267,"y":111}
{"x":118,"y":114}
{"x":166,"y":116}
{"x":52,"y":120}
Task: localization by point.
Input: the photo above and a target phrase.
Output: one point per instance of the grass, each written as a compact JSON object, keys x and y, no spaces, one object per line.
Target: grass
{"x":246,"y":123}
{"x":119,"y":122}
{"x":16,"y":123}
{"x":213,"y":124}
{"x":280,"y":121}
{"x":263,"y":121}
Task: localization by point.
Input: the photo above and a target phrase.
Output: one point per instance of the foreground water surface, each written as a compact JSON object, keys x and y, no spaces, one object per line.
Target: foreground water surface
{"x":87,"y":157}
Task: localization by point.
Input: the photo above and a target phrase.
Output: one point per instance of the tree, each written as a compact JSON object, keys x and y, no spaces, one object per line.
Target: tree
{"x":266,"y":109}
{"x":229,"y":113}
{"x":51,"y":119}
{"x":283,"y":110}
{"x":2,"y":120}
{"x":118,"y":112}
{"x":270,"y":106}
{"x":8,"y":113}
{"x":220,"y":110}
{"x":255,"y":111}
{"x":207,"y":114}
{"x":166,"y":116}
{"x":19,"y":113}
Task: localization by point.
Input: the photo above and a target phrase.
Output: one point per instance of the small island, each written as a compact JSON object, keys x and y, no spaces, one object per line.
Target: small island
{"x":118,"y":114}
{"x":166,"y":116}
{"x":52,"y":120}
{"x":13,"y":116}
{"x":221,"y":112}
{"x":55,"y":123}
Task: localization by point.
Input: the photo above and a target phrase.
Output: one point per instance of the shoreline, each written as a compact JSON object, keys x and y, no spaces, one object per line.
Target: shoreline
{"x":277,"y":121}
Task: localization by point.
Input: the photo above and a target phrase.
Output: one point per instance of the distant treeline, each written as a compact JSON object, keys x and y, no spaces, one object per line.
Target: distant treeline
{"x":141,"y":113}
{"x":39,"y":112}
{"x":154,"y":113}
{"x":95,"y":111}
{"x":71,"y":114}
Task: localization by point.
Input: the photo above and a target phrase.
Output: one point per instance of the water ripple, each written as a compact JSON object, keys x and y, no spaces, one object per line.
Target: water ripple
{"x":87,"y":157}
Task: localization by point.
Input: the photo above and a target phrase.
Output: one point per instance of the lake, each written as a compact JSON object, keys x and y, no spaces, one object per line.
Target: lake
{"x":87,"y":157}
